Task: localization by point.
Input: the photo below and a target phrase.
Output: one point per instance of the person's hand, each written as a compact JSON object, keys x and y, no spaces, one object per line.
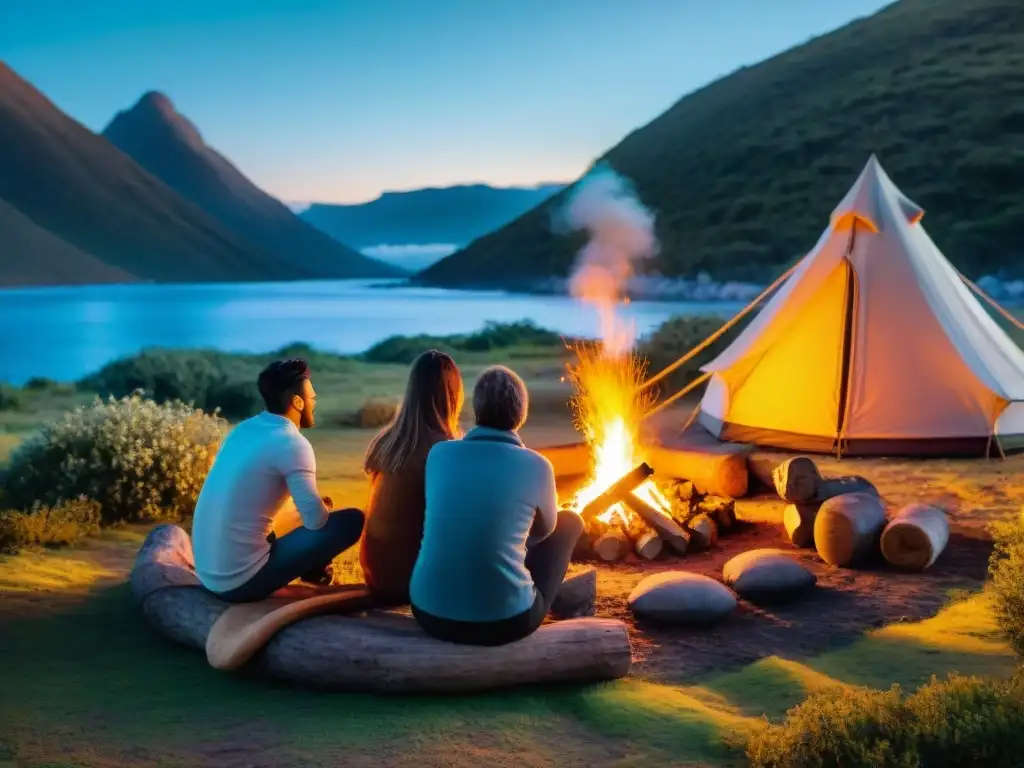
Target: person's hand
{"x":327,"y":502}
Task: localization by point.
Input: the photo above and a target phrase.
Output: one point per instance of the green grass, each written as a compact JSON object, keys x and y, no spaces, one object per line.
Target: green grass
{"x":86,"y":683}
{"x":92,"y":686}
{"x":743,"y":173}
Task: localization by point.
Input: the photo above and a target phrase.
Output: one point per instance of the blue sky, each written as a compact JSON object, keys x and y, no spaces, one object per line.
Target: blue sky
{"x":337,"y":100}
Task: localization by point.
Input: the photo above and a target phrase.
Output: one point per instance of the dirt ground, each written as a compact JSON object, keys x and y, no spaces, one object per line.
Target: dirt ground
{"x":843,"y":604}
{"x":846,"y":602}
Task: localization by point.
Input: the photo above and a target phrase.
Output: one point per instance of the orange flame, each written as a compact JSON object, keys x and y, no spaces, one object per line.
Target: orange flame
{"x":608,"y":408}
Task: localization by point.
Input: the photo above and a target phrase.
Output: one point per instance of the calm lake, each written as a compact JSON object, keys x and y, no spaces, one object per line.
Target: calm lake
{"x":64,"y":333}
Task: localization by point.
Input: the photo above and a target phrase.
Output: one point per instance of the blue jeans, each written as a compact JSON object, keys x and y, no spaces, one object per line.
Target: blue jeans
{"x":299,"y":552}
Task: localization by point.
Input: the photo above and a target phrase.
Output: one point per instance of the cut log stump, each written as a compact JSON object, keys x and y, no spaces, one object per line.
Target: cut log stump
{"x":381,"y":652}
{"x":915,"y":537}
{"x":794,"y":480}
{"x":848,"y":527}
{"x":798,"y":520}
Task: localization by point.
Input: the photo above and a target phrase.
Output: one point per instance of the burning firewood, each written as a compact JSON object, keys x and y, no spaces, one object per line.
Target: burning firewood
{"x":721,"y":511}
{"x":646,"y":542}
{"x":665,"y":526}
{"x":617,"y":491}
{"x":704,"y":532}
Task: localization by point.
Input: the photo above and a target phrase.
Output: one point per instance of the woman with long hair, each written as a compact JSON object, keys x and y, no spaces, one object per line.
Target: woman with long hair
{"x":396,"y":462}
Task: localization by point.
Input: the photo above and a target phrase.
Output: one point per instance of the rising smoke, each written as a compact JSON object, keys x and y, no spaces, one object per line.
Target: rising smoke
{"x":621,"y":234}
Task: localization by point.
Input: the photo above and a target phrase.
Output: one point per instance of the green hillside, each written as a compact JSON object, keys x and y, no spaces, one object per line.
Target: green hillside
{"x":743,"y":173}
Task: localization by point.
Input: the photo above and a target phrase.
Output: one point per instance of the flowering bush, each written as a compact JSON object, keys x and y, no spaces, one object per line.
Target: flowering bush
{"x":140,"y":460}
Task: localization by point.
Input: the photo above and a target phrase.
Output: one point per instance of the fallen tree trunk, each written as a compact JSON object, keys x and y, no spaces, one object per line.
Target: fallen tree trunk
{"x":794,"y":480}
{"x":915,"y":537}
{"x":848,"y":527}
{"x":665,"y":526}
{"x":382,"y":652}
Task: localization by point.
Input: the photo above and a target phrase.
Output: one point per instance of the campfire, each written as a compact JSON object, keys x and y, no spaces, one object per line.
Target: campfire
{"x":622,"y":505}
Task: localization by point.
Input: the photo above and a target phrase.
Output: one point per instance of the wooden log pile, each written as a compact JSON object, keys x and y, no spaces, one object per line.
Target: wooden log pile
{"x":638,"y":529}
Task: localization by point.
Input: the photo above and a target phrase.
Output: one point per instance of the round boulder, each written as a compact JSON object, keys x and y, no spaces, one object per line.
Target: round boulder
{"x":767,"y":576}
{"x":679,"y":597}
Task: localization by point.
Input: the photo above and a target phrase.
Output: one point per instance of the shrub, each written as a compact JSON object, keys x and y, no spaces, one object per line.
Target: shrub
{"x":504,"y":335}
{"x":969,"y":721}
{"x":200,"y":378}
{"x":140,"y":460}
{"x":854,"y":728}
{"x":236,"y":400}
{"x":372,"y":414}
{"x":1006,"y":585}
{"x":405,"y":349}
{"x":953,"y":722}
{"x":59,"y":525}
{"x":43,"y":384}
{"x":10,"y":398}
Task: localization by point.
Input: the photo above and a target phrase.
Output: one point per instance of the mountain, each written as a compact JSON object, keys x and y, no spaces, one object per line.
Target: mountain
{"x":169,"y":146}
{"x":743,"y":173}
{"x":83,"y":190}
{"x":449,"y":215}
{"x":30,"y":255}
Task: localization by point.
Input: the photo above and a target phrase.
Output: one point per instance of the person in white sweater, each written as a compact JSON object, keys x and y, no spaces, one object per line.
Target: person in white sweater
{"x":263,"y":461}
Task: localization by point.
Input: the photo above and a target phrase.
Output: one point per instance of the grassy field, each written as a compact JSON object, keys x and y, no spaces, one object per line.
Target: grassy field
{"x":86,"y":683}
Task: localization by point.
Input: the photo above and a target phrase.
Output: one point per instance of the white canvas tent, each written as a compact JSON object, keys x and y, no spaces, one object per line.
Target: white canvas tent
{"x":873,"y":346}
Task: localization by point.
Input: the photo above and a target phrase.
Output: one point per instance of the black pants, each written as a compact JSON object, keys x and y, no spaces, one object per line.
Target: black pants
{"x":547,"y":563}
{"x":299,"y":552}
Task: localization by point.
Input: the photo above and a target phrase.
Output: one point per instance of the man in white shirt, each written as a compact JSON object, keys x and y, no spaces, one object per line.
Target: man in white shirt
{"x":262,"y":462}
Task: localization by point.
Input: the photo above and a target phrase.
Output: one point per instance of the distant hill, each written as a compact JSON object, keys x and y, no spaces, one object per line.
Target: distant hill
{"x":743,"y":173}
{"x":449,"y":215}
{"x":169,"y":146}
{"x":30,"y":255}
{"x":86,"y":192}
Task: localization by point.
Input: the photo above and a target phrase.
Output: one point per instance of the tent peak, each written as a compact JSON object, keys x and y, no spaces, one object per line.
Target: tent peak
{"x":871,"y":200}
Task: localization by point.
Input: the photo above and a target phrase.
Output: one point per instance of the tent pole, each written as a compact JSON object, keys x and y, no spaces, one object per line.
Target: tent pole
{"x":992,"y":302}
{"x":717,"y":334}
{"x":999,"y":445}
{"x":847,"y":356}
{"x":681,"y":393}
{"x":689,"y":421}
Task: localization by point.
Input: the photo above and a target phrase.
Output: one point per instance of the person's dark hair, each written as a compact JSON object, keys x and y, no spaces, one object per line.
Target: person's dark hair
{"x":279,"y":381}
{"x":429,"y":411}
